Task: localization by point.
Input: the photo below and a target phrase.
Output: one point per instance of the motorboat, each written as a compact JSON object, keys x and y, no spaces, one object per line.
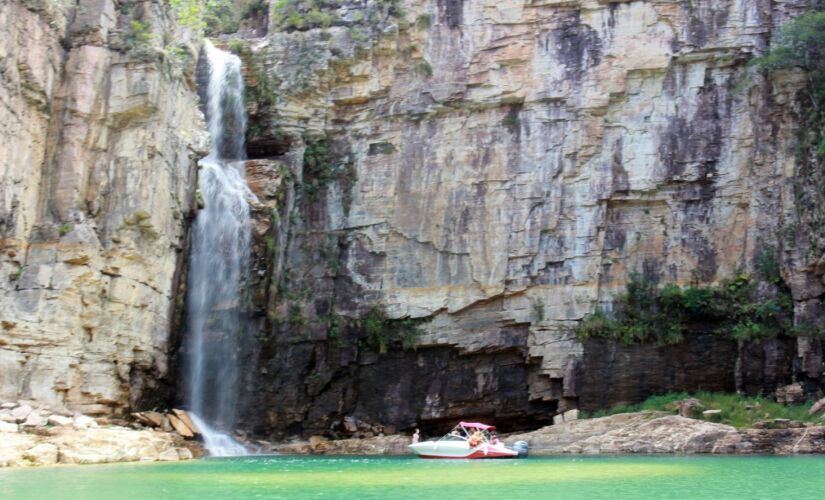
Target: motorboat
{"x":467,"y":440}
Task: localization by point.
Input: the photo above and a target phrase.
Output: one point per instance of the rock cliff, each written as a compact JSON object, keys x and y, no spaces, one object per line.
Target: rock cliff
{"x":446,"y":188}
{"x":491,"y":172}
{"x":100,"y":135}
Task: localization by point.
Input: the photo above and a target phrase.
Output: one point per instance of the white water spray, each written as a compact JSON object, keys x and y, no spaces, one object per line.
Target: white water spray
{"x":218,"y":259}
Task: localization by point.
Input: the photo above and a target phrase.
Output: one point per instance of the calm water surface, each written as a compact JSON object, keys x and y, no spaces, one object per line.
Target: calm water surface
{"x":292,"y":477}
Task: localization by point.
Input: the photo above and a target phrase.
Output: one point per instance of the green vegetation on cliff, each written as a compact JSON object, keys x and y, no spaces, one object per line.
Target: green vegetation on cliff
{"x":292,"y":15}
{"x":738,"y":307}
{"x":383,"y":332}
{"x":323,"y":165}
{"x":736,"y":410}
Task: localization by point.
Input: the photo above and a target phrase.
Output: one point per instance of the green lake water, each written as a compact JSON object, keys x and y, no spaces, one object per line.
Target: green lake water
{"x":615,"y":477}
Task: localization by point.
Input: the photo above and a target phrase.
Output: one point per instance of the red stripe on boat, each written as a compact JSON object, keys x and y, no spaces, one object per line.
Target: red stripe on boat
{"x":475,"y":454}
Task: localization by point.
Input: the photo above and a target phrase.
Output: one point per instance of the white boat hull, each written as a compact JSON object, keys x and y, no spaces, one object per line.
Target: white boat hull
{"x":461,"y":449}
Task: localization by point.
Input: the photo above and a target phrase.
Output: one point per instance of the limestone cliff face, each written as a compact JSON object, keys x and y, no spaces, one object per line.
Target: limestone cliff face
{"x":100,"y":132}
{"x":500,"y":169}
{"x":485,"y":173}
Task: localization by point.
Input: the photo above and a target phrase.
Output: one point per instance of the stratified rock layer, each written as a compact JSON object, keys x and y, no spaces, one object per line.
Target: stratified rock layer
{"x":101,"y":132}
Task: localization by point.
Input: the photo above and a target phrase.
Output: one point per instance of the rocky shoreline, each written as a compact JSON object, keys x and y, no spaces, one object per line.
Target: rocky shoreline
{"x":625,"y":433}
{"x":30,"y":437}
{"x":38,"y":436}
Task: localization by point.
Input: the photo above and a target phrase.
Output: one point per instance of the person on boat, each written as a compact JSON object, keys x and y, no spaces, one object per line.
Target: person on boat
{"x":476,"y":439}
{"x":415,"y":436}
{"x":494,"y":439}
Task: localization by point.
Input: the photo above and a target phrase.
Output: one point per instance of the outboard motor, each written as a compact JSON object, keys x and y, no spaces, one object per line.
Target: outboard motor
{"x":521,"y":448}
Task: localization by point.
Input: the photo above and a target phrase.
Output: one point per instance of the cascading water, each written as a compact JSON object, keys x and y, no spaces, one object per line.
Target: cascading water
{"x":218,"y":259}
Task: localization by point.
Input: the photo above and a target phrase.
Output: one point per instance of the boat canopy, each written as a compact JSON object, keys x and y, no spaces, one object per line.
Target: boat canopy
{"x":477,"y":425}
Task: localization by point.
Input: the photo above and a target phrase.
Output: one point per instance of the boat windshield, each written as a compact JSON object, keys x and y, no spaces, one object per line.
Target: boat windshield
{"x":453,"y":437}
{"x":461,"y":433}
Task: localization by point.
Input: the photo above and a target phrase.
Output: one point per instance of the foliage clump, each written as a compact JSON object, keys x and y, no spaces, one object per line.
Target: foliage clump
{"x":737,"y":410}
{"x":322,"y":166}
{"x":216,"y":16}
{"x":647,"y":313}
{"x":383,"y":332}
{"x":292,"y":15}
{"x":138,"y":40}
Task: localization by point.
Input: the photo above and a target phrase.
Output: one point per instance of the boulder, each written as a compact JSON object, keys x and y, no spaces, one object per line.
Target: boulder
{"x":184,"y":417}
{"x":350,"y":424}
{"x":712,"y":413}
{"x":185,"y":454}
{"x":316,"y":441}
{"x":21,"y":413}
{"x":792,"y":394}
{"x":8,"y":427}
{"x":818,"y":407}
{"x":84,"y":422}
{"x":690,"y":408}
{"x":149,"y":418}
{"x":34,"y":420}
{"x":8,"y":406}
{"x":180,"y":427}
{"x":6,"y":416}
{"x":780,"y":423}
{"x":42,"y":454}
{"x":571,"y":415}
{"x":655,"y":432}
{"x":59,"y":420}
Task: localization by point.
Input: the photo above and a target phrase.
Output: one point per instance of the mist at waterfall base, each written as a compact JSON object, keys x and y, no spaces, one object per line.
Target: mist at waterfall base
{"x":217,"y":262}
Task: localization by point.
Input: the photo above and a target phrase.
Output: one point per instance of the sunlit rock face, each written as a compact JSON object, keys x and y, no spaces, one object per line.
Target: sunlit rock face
{"x":98,"y":165}
{"x":514,"y":163}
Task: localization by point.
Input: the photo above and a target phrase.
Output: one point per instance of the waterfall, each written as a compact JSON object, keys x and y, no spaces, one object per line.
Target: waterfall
{"x":218,"y":259}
